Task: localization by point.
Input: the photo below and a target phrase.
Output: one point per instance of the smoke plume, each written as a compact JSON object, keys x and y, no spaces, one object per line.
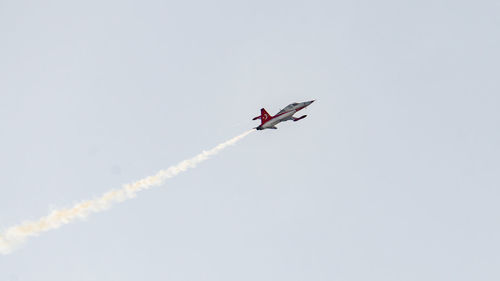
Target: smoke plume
{"x":15,"y":235}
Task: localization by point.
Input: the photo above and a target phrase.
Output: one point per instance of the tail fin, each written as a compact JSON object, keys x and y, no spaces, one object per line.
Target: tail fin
{"x":264,"y":116}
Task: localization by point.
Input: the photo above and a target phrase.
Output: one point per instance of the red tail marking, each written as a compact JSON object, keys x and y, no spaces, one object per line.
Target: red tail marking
{"x":264,"y":116}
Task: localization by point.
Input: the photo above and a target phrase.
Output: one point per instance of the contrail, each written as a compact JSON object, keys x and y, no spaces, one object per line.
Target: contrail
{"x":17,"y":234}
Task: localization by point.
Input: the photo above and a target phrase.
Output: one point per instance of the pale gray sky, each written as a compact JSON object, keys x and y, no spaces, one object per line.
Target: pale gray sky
{"x":394,"y":175}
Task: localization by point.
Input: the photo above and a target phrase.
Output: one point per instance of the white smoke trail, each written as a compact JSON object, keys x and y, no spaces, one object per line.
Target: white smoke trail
{"x":16,"y":235}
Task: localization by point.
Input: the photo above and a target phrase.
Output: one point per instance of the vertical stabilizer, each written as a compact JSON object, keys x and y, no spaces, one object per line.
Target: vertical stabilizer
{"x":264,"y":116}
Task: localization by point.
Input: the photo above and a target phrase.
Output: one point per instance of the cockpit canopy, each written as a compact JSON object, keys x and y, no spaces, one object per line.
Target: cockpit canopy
{"x":288,"y":107}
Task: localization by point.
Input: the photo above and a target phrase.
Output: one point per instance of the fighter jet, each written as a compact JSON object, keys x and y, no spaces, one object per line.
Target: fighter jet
{"x":270,"y":122}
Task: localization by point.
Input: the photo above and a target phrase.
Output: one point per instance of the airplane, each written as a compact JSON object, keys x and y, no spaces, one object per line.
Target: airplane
{"x":270,"y":122}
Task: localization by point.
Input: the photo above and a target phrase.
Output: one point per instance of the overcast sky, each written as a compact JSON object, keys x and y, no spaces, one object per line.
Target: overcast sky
{"x":394,"y":174}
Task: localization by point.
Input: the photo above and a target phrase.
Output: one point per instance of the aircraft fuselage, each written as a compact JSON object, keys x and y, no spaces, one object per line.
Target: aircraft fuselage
{"x":270,"y":122}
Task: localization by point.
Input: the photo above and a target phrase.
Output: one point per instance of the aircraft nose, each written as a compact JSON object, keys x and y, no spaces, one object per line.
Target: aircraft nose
{"x":309,"y":102}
